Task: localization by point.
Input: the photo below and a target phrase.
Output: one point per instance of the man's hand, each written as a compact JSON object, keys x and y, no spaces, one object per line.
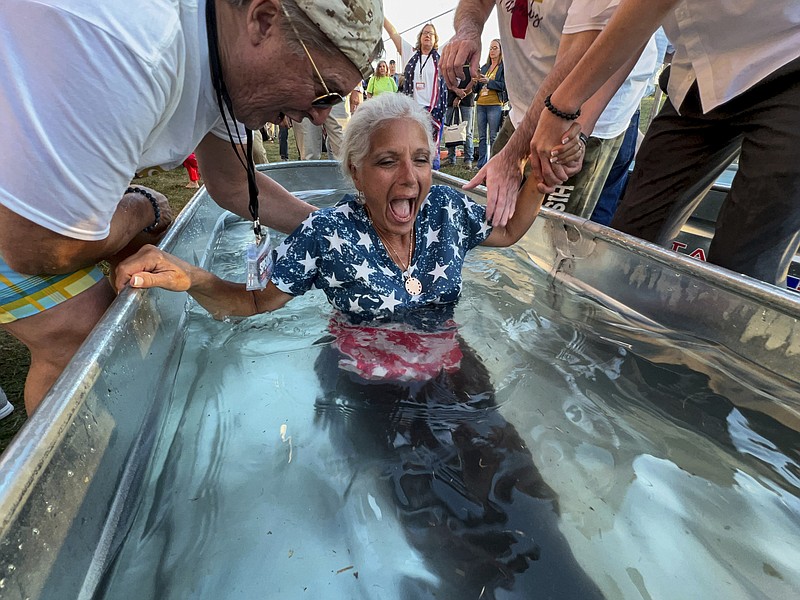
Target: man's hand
{"x":503,"y":175}
{"x":165,"y":213}
{"x":463,"y":48}
{"x":551,"y":131}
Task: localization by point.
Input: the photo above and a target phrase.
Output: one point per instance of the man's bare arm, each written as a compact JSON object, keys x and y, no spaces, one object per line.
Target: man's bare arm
{"x":633,"y":23}
{"x":226,"y":181}
{"x":465,"y":46}
{"x":32,"y":249}
{"x":503,"y":173}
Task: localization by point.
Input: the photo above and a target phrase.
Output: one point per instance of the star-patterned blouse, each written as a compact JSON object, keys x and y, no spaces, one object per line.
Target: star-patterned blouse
{"x":337,"y":250}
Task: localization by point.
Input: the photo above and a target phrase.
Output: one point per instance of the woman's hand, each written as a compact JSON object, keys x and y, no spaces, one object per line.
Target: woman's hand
{"x":151,"y":267}
{"x":571,"y":147}
{"x":568,"y":154}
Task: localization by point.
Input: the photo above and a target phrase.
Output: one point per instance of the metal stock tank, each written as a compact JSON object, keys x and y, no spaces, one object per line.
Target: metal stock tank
{"x":657,"y":396}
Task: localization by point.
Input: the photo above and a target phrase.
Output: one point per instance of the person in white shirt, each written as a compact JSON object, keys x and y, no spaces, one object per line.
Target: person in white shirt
{"x":733,"y":87}
{"x":542,"y":41}
{"x":422,"y":78}
{"x":105,"y":90}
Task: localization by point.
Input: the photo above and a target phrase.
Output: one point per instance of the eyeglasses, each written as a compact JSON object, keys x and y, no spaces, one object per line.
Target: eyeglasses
{"x":329,"y":98}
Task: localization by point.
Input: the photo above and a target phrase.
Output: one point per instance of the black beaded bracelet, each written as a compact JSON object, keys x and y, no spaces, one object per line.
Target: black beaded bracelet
{"x":153,"y":202}
{"x":561,"y":113}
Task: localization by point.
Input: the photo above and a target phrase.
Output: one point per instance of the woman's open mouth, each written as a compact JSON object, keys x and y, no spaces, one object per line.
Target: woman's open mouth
{"x":402,"y":209}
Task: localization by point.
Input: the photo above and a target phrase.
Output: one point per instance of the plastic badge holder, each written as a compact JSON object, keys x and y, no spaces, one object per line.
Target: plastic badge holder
{"x":259,"y":263}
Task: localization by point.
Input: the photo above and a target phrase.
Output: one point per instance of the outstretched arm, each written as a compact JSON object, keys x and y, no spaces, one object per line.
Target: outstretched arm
{"x":465,"y":46}
{"x":393,"y":35}
{"x":151,"y":267}
{"x":226,"y":181}
{"x":528,"y":202}
{"x":625,"y":35}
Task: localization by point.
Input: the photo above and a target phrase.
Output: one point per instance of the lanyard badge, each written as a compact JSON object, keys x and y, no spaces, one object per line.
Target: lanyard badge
{"x":258,"y":260}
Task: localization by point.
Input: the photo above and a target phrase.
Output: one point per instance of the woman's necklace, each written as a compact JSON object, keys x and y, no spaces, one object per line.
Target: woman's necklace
{"x":412,"y":284}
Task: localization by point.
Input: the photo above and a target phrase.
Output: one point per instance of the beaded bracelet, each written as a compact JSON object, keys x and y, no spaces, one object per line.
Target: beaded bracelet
{"x":560,"y":113}
{"x":153,"y":202}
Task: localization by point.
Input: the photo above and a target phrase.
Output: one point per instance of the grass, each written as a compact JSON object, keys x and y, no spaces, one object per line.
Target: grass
{"x":14,"y":357}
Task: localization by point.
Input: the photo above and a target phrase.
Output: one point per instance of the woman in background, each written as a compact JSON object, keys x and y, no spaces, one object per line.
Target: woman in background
{"x":380,"y":83}
{"x":490,"y":88}
{"x":422,"y":79}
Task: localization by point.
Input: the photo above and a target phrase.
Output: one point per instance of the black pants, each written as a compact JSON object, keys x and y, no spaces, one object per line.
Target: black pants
{"x":465,"y":486}
{"x":758,"y":228}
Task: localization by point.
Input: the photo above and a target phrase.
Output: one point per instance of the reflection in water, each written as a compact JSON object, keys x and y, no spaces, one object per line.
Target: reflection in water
{"x":674,"y":462}
{"x":464,"y":483}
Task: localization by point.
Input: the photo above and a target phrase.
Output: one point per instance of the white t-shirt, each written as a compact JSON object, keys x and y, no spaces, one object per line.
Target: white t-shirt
{"x":425,"y":74}
{"x":729,"y":46}
{"x":618,"y":112}
{"x":100,"y":91}
{"x":528,"y":61}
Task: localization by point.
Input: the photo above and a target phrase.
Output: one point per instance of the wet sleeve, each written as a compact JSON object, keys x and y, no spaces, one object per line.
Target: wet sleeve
{"x":297,"y":259}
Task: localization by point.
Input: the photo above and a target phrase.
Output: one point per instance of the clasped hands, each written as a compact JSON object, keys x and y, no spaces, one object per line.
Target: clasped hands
{"x":556,"y":152}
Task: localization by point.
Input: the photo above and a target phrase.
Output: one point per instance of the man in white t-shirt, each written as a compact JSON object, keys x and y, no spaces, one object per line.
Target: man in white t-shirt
{"x":103,"y":91}
{"x":542,"y":41}
{"x":733,"y":85}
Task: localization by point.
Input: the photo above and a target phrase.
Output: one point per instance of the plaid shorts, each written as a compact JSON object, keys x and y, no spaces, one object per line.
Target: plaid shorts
{"x":25,"y":295}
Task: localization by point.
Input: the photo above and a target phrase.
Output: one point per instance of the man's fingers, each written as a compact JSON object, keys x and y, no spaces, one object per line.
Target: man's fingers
{"x":545,"y":189}
{"x":479,"y":178}
{"x":536,"y":168}
{"x":559,"y":175}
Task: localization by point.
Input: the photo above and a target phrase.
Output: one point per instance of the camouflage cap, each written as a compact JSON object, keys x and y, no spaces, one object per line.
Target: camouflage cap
{"x":354,"y":27}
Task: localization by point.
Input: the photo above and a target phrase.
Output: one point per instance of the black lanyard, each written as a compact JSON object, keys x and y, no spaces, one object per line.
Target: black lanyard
{"x":422,"y":66}
{"x":224,"y":101}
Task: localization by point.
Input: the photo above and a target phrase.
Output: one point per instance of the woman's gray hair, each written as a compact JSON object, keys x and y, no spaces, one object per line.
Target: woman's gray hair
{"x":371,"y":116}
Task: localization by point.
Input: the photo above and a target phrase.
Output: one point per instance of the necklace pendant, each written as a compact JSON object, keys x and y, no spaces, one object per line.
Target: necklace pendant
{"x":413,"y":286}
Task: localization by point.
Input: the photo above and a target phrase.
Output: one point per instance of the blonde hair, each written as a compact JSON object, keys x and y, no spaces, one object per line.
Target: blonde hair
{"x":435,"y":37}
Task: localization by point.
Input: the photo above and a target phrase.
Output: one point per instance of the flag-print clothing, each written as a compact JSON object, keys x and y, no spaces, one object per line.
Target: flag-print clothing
{"x":337,"y":250}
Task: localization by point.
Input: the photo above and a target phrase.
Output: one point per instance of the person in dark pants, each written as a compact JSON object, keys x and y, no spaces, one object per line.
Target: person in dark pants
{"x":283,"y":137}
{"x":467,"y":491}
{"x":618,"y":175}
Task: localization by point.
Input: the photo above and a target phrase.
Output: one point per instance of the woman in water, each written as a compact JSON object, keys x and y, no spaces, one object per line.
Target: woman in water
{"x":400,"y":387}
